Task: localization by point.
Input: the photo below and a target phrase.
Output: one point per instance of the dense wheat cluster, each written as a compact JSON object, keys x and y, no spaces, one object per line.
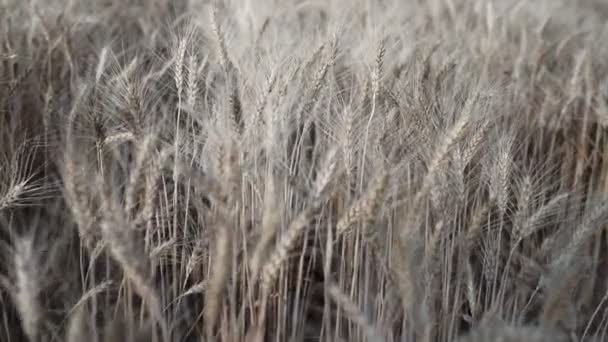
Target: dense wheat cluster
{"x":265,"y":170}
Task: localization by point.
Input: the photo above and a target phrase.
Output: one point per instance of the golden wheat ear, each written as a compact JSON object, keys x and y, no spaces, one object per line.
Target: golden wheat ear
{"x":354,"y":313}
{"x":22,"y":182}
{"x":128,"y":251}
{"x":28,"y":286}
{"x":279,"y":255}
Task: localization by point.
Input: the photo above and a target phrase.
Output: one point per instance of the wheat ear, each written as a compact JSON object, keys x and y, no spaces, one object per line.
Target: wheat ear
{"x":354,"y":313}
{"x":128,"y":253}
{"x":365,"y":208}
{"x":77,"y":330}
{"x":28,"y":287}
{"x":279,"y":255}
{"x":270,"y":222}
{"x":219,"y":276}
{"x":75,"y":184}
{"x":137,"y":174}
{"x":452,"y":137}
{"x":153,"y":179}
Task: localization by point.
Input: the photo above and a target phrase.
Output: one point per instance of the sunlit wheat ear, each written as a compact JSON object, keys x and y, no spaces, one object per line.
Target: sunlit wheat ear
{"x":97,"y":289}
{"x":223,"y":157}
{"x":76,"y":184}
{"x":592,"y":222}
{"x":136,"y":177}
{"x":314,"y":57}
{"x":500,"y":173}
{"x":524,"y":201}
{"x":192,"y":82}
{"x":502,"y":331}
{"x":28,"y":286}
{"x":101,"y":63}
{"x":318,"y":81}
{"x":198,"y":254}
{"x":327,"y":171}
{"x":354,"y":313}
{"x":151,"y":190}
{"x":479,"y":223}
{"x":78,"y":329}
{"x":20,"y":185}
{"x":278,"y":256}
{"x":560,"y":290}
{"x":230,"y":171}
{"x":161,"y":251}
{"x":232,"y":75}
{"x":471,"y":290}
{"x":541,"y":217}
{"x":491,"y":259}
{"x":365,"y":208}
{"x":222,"y":51}
{"x":432,"y":260}
{"x":347,"y":131}
{"x":376,"y":87}
{"x":454,"y":135}
{"x":178,"y":66}
{"x":128,"y":251}
{"x":11,"y":195}
{"x":235,"y":106}
{"x":118,"y":138}
{"x":133,"y":264}
{"x":8,"y":56}
{"x":377,"y":74}
{"x":257,"y":121}
{"x":473,"y":142}
{"x":195,"y":289}
{"x":206,"y":185}
{"x":220,"y":269}
{"x":270,"y":221}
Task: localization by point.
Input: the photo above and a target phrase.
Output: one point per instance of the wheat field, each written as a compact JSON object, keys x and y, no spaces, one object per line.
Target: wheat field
{"x":293,"y":170}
